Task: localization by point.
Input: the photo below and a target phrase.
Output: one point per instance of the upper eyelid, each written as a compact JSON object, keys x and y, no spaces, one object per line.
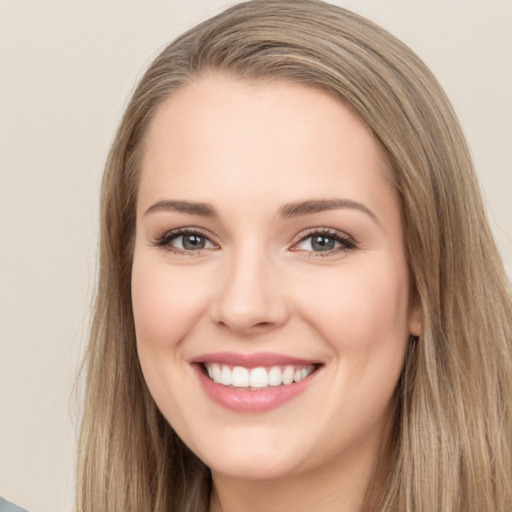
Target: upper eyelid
{"x":165,"y":238}
{"x":325,"y":231}
{"x":300,"y":236}
{"x":321,"y":229}
{"x":188,"y":230}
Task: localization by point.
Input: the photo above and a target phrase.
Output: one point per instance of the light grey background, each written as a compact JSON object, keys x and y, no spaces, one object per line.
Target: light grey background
{"x":66,"y":70}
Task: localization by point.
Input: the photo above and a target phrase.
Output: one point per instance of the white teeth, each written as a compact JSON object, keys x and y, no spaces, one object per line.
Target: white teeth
{"x":226,"y":376}
{"x":288,"y":374}
{"x":256,"y":378}
{"x":217,"y":374}
{"x":275,"y":376}
{"x":240,"y":377}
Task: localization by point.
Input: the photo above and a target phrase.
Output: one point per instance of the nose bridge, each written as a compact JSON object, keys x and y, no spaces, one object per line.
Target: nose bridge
{"x":249,"y":299}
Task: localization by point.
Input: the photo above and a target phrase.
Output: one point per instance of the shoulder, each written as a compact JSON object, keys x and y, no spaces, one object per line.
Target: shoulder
{"x":7,"y":506}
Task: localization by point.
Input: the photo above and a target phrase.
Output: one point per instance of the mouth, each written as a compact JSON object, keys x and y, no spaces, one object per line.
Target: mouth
{"x":254,"y":383}
{"x":259,"y":378}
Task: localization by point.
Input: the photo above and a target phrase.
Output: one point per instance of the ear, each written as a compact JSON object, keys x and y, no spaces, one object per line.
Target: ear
{"x":415,"y":319}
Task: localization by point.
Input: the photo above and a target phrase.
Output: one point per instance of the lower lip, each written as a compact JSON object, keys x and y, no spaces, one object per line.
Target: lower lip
{"x":242,"y":400}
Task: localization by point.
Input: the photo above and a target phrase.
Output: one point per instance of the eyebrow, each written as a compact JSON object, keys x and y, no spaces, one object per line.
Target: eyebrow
{"x":296,"y":209}
{"x":287,"y":211}
{"x":201,"y":209}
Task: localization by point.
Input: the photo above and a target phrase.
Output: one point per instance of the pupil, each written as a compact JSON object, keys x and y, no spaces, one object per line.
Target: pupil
{"x":193,"y":242}
{"x":322,"y":243}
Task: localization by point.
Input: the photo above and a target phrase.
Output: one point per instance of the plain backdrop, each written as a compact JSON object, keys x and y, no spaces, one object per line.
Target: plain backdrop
{"x":66,"y":71}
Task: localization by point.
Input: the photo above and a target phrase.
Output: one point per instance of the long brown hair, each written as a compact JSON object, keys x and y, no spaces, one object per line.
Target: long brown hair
{"x":452,"y":437}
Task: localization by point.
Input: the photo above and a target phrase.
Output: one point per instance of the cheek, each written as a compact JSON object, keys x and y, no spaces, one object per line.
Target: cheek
{"x":360,"y":312}
{"x":166,"y":308}
{"x":362,"y":316}
{"x":166,"y":304}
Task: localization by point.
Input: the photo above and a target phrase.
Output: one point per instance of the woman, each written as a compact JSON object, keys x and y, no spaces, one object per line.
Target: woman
{"x":300,"y":303}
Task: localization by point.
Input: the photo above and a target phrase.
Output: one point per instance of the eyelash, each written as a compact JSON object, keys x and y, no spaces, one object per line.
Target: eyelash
{"x":346,"y":243}
{"x":165,"y":240}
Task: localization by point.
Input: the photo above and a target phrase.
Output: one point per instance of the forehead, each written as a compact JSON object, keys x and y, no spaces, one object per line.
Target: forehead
{"x":266,"y":138}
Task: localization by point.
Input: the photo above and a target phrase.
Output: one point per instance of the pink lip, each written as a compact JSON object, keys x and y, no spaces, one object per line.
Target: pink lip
{"x":251,"y":360}
{"x":247,"y":401}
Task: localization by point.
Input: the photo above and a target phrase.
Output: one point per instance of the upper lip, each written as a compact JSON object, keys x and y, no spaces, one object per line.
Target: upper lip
{"x":251,"y":360}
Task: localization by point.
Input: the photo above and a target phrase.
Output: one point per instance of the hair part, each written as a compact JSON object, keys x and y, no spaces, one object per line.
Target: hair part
{"x":450,"y":449}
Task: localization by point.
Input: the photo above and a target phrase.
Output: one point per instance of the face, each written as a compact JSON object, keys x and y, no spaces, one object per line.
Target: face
{"x":270,"y":286}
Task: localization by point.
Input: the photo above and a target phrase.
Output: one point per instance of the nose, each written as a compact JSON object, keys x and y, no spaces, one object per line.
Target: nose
{"x":251,"y":299}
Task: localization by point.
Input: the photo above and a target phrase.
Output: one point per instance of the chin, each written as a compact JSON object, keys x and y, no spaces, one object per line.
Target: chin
{"x":256,"y":459}
{"x":256,"y":469}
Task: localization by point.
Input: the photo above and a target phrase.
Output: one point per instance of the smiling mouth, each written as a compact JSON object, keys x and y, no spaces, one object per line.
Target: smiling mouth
{"x":259,"y":378}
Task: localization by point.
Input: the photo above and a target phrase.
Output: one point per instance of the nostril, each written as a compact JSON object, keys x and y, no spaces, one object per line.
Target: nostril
{"x":263,"y":324}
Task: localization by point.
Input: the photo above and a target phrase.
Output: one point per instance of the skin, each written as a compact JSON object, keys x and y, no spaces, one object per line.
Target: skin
{"x":258,"y":285}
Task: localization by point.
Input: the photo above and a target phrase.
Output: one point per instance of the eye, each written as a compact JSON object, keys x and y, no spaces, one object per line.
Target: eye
{"x":325,"y":241}
{"x":190,"y":242}
{"x":184,"y":241}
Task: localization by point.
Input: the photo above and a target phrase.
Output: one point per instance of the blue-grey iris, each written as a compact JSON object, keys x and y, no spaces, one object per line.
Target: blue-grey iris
{"x":194,"y":242}
{"x":322,"y":243}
